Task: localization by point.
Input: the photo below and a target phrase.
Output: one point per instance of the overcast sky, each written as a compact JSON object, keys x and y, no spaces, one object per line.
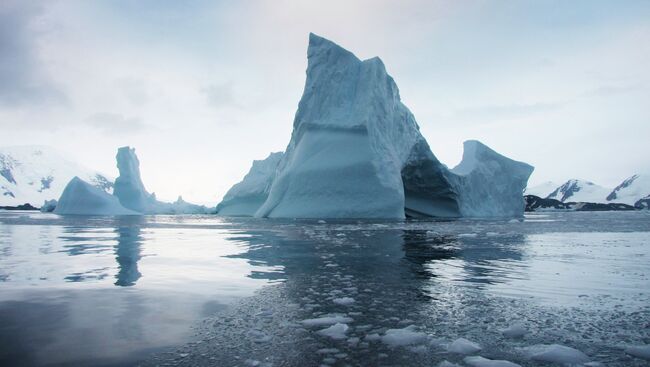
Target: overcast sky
{"x":201,"y":88}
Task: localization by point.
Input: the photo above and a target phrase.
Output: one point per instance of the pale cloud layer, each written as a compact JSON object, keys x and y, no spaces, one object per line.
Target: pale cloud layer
{"x":202,"y":88}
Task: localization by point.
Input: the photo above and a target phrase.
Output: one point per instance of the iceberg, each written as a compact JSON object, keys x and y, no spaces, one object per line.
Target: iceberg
{"x":130,"y":190}
{"x":128,"y":187}
{"x":489,"y":184}
{"x":81,"y":198}
{"x":246,"y":197}
{"x":356,"y":151}
{"x":48,"y":206}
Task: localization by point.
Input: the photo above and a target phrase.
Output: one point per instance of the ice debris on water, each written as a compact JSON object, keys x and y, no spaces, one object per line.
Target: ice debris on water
{"x":639,"y":351}
{"x":403,"y":337}
{"x":484,"y":362}
{"x":516,"y":330}
{"x":463,"y":346}
{"x":343,"y":301}
{"x":555,"y":353}
{"x":336,"y":331}
{"x":327,"y":320}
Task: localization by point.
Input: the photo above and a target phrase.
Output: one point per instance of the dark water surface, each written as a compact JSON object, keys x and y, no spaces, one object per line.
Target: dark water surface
{"x":205,"y":290}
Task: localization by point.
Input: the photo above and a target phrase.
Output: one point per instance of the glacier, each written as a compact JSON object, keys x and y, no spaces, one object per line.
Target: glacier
{"x":81,"y":198}
{"x":356,"y":152}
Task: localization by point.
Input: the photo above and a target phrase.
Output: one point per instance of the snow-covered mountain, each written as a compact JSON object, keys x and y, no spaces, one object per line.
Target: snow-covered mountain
{"x":580,"y":191}
{"x":33,"y":174}
{"x":542,"y":190}
{"x":632,"y":190}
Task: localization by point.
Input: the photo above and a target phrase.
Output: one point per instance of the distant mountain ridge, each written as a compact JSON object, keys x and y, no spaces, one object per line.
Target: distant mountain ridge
{"x":634,"y":191}
{"x":32,"y":174}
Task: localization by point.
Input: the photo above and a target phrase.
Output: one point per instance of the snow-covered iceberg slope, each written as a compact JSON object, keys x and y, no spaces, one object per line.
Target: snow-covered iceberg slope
{"x":33,"y":174}
{"x":356,"y":152}
{"x":246,"y":197}
{"x":81,"y":198}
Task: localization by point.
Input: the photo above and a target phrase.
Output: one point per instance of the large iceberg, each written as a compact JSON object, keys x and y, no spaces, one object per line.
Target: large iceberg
{"x":245,"y":197}
{"x":81,"y":198}
{"x":356,"y":152}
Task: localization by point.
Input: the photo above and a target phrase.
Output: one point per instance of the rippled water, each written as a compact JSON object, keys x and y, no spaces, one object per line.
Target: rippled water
{"x":205,"y":290}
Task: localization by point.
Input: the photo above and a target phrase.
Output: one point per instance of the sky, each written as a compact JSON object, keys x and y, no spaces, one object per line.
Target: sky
{"x":202,"y":88}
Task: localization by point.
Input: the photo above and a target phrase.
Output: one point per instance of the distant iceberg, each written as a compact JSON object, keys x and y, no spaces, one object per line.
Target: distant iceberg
{"x":129,"y":195}
{"x":356,"y":152}
{"x":81,"y":198}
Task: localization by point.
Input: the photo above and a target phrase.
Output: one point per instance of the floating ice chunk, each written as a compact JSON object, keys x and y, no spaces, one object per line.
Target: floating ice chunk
{"x":372,"y":337}
{"x":513,"y":331}
{"x":402,"y":337}
{"x":353,"y":341}
{"x":484,"y":362}
{"x":344,"y":301}
{"x":259,"y":336}
{"x":327,"y":351}
{"x":448,"y":364}
{"x":327,"y":320}
{"x":556,"y":353}
{"x":467,"y":235}
{"x":463,"y":346}
{"x":336,"y":331}
{"x":639,"y":351}
{"x":81,"y":198}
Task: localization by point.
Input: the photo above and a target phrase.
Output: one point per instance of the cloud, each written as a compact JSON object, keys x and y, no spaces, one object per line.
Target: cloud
{"x":22,"y":78}
{"x":611,"y":90}
{"x":115,"y":123}
{"x":505,"y":112}
{"x":219,"y":95}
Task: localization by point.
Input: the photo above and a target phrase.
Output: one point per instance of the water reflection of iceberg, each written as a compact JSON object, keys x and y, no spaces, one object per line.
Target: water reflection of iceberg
{"x":127,"y":250}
